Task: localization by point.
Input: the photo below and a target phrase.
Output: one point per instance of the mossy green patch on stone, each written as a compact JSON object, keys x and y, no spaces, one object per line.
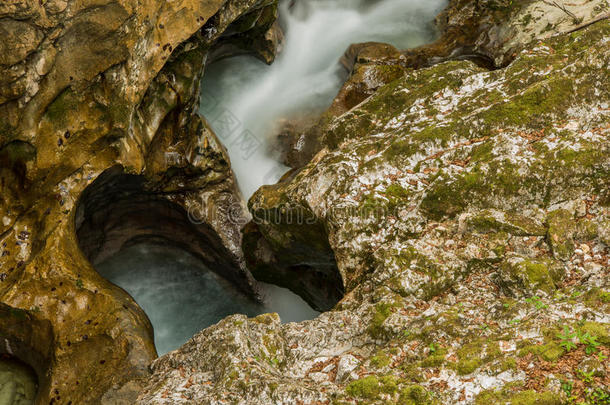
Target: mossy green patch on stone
{"x":527,"y":108}
{"x":529,"y":276}
{"x":507,"y":364}
{"x":435,"y":359}
{"x":472,"y":355}
{"x":469,"y":357}
{"x":599,"y":330}
{"x":380,"y":360}
{"x":538,"y":274}
{"x":563,"y":228}
{"x":267,"y":319}
{"x":381,"y":312}
{"x":506,"y":396}
{"x":269,"y":342}
{"x":595,"y":297}
{"x":511,"y":223}
{"x":485,"y":184}
{"x":550,"y":351}
{"x":63,"y":107}
{"x":414,"y":395}
{"x":467,"y":366}
{"x":396,"y":194}
{"x":389,"y":389}
{"x":369,"y":387}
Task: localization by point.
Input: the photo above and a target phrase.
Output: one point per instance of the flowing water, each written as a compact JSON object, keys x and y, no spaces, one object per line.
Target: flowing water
{"x":243,"y":98}
{"x":181,"y":296}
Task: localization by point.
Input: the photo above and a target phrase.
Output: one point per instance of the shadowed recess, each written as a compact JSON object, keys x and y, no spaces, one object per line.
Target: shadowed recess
{"x":178,"y":272}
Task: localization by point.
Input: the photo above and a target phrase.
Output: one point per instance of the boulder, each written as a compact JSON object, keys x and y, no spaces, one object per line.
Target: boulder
{"x":438,"y":198}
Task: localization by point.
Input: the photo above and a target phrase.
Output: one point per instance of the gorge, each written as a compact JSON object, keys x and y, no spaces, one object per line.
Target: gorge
{"x":182,"y":296}
{"x":304,"y":201}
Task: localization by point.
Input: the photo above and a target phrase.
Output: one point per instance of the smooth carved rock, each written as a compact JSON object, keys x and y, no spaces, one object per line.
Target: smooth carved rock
{"x":19,"y":39}
{"x":113,"y":89}
{"x":257,"y":32}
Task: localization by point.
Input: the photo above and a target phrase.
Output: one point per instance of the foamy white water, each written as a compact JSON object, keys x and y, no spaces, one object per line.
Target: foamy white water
{"x":243,"y":98}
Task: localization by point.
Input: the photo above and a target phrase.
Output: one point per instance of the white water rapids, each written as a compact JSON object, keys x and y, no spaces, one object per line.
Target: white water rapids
{"x":243,"y":98}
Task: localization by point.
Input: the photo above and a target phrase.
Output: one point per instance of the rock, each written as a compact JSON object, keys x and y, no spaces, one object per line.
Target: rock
{"x":604,"y":232}
{"x":522,"y":276}
{"x":489,"y":33}
{"x":346,"y":365}
{"x":425,"y":164}
{"x":592,"y":367}
{"x":494,"y":221}
{"x":304,"y":260}
{"x":257,"y":32}
{"x":91,"y":97}
{"x":439,"y":226}
{"x":19,"y":40}
{"x":492,"y":32}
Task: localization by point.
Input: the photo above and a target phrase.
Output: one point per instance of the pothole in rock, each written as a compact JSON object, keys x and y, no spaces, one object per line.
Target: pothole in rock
{"x":178,"y":272}
{"x":18,"y":382}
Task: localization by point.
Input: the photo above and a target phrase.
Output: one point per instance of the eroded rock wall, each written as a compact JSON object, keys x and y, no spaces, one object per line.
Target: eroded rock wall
{"x":84,"y":87}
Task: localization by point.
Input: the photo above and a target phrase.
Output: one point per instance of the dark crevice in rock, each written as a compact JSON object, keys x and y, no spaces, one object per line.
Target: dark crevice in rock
{"x":119,"y":210}
{"x":305,"y":263}
{"x":29,"y":340}
{"x":256,"y":33}
{"x":465,"y":53}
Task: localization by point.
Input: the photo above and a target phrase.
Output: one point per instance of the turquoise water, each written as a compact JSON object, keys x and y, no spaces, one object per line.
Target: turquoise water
{"x":181,"y":296}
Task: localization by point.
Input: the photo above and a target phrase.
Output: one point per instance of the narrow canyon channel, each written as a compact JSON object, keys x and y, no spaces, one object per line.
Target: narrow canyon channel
{"x":244,"y":100}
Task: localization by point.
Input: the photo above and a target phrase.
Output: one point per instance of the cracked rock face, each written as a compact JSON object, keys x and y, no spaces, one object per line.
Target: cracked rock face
{"x":467,"y":211}
{"x":104,"y":88}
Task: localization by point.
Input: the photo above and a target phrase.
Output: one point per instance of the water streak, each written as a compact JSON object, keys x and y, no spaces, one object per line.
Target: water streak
{"x":243,"y":98}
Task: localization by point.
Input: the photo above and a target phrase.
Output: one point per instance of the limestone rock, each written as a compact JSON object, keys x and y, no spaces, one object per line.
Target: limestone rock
{"x":19,"y":39}
{"x":94,"y":92}
{"x":435,"y":195}
{"x":257,"y":32}
{"x":489,"y":33}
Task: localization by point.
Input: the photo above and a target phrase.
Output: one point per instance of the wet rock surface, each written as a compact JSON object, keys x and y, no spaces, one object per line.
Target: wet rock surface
{"x":257,"y":32}
{"x":87,"y":88}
